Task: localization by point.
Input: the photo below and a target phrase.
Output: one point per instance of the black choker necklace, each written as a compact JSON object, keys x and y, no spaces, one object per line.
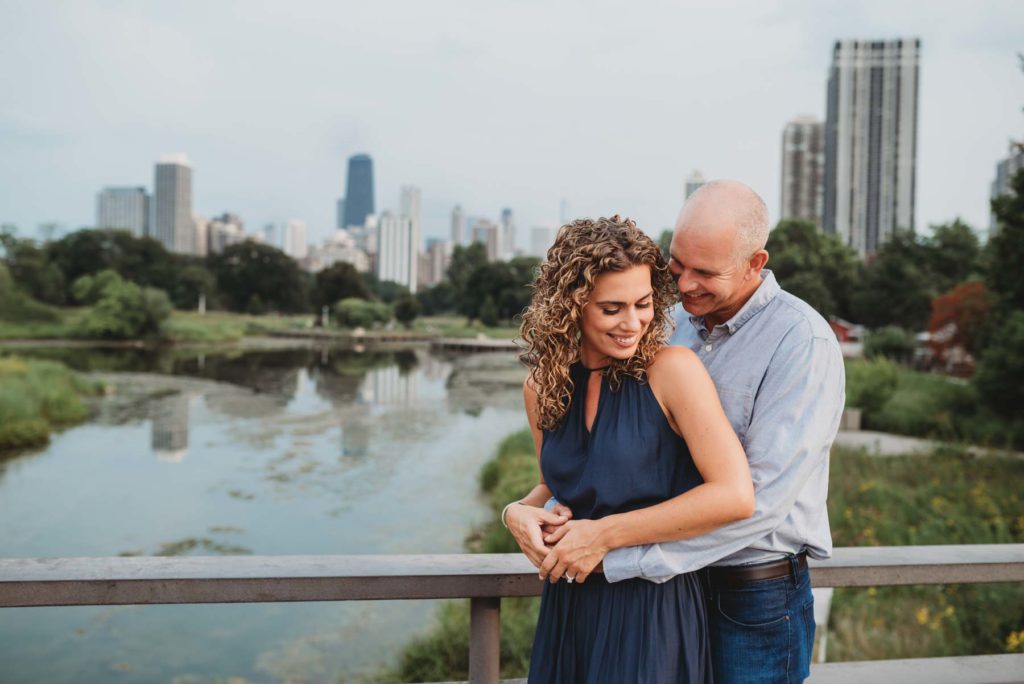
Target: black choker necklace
{"x":594,"y":370}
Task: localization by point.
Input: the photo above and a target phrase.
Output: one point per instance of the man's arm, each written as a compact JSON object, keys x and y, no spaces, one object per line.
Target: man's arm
{"x":795,"y":417}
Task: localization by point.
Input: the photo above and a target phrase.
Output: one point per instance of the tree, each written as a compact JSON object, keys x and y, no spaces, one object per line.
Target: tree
{"x":17,"y":307}
{"x":250,"y":273}
{"x":407,"y":308}
{"x":896,"y":287}
{"x":438,"y":299}
{"x":336,"y":282}
{"x":31,"y":269}
{"x":1000,"y":374}
{"x":814,"y":265}
{"x":465,"y":260}
{"x":953,"y":254}
{"x":665,"y":242}
{"x":958,"y":319}
{"x":1005,"y":251}
{"x":122,"y":310}
{"x":890,"y":342}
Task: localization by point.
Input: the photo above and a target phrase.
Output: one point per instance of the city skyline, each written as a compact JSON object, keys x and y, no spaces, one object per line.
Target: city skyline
{"x":552,"y":138}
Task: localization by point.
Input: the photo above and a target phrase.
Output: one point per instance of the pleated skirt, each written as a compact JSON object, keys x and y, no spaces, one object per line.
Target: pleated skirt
{"x":633,"y":631}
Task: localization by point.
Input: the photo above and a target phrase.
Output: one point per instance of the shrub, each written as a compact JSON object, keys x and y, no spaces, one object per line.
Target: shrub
{"x":891,"y":342}
{"x":869,"y":384}
{"x":17,"y":307}
{"x":122,"y":309}
{"x":353,"y":312}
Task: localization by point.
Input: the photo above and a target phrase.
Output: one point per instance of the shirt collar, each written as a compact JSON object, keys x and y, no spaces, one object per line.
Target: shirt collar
{"x":762,"y":296}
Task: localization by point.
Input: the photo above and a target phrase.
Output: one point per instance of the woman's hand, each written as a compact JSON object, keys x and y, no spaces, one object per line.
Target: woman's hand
{"x":578,"y":550}
{"x":525,"y":523}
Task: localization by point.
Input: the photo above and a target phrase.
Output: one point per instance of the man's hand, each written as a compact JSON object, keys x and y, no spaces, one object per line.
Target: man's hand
{"x":579,"y":550}
{"x":525,"y":522}
{"x":562,"y":511}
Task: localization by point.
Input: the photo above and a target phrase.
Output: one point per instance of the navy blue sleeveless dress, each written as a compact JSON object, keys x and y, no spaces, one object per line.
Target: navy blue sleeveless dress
{"x":634,"y":630}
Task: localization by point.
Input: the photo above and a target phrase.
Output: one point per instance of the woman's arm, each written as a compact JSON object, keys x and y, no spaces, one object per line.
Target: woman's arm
{"x":688,"y":397}
{"x":526,"y":517}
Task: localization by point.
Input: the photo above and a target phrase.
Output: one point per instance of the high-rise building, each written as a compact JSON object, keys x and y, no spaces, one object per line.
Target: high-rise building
{"x":294,"y":241}
{"x":803,"y":165}
{"x":508,"y":234}
{"x":488,"y":233}
{"x":397,"y":254}
{"x":202,"y":235}
{"x":436,"y":262}
{"x":339,"y":214}
{"x":693,"y":182}
{"x":871,"y":141}
{"x":1005,"y":171}
{"x":458,"y":227}
{"x":541,"y":239}
{"x":125,"y":208}
{"x":226,"y":229}
{"x":411,"y":205}
{"x":359,"y":190}
{"x":172,"y":221}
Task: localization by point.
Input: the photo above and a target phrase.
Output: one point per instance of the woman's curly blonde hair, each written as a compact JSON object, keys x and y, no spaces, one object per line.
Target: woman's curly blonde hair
{"x":583,"y":250}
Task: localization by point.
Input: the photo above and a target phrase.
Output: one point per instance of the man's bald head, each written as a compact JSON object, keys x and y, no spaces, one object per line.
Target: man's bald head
{"x":730,"y":209}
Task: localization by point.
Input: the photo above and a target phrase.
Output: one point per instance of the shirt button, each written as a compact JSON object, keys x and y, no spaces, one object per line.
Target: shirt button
{"x":707,"y":348}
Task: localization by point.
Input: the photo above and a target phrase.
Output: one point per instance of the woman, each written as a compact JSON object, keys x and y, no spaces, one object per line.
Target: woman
{"x":621,"y":423}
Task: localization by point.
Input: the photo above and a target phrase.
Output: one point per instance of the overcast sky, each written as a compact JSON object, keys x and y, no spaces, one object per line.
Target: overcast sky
{"x":486,"y":104}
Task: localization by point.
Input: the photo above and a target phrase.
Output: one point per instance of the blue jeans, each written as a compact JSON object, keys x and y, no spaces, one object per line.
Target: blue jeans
{"x":763,"y":632}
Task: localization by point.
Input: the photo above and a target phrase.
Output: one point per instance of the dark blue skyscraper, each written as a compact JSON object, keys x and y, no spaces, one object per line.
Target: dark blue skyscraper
{"x":359,"y":192}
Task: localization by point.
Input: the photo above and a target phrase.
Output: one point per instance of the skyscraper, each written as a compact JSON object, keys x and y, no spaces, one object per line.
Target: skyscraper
{"x":294,"y":241}
{"x":397,"y":259}
{"x":359,"y":190}
{"x":871,"y":141}
{"x":458,"y":227}
{"x":1005,"y":170}
{"x":339,"y":214}
{"x":172,"y":221}
{"x":488,"y":233}
{"x":125,"y":208}
{"x":508,"y":234}
{"x":803,"y":164}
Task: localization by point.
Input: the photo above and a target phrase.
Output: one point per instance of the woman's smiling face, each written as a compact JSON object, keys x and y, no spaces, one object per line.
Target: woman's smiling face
{"x":616,"y":316}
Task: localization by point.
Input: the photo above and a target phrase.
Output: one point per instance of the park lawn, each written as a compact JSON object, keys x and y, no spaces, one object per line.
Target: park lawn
{"x":34,"y":330}
{"x":945,"y":498}
{"x":38,"y":397}
{"x":456,"y":326}
{"x":223,"y":326}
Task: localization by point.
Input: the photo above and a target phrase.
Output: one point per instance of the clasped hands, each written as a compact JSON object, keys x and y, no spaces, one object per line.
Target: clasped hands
{"x":556,"y":544}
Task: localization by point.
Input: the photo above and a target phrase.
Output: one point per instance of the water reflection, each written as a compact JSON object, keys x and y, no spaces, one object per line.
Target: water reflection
{"x":266,"y":451}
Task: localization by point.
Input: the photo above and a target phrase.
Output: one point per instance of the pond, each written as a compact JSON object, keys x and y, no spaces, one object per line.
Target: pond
{"x":267,"y":451}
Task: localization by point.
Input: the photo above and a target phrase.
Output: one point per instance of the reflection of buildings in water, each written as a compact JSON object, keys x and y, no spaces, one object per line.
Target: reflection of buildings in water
{"x":170,"y":427}
{"x":388,"y":387}
{"x":356,"y":432}
{"x":433,"y":367}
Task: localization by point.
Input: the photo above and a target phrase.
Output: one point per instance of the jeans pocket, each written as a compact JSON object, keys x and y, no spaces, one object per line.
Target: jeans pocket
{"x":760,"y":605}
{"x":749,"y":652}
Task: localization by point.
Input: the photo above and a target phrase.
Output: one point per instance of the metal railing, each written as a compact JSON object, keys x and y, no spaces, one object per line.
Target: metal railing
{"x":483,"y":578}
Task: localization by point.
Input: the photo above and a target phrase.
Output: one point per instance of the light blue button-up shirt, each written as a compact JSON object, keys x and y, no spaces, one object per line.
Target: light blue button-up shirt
{"x":779,"y":374}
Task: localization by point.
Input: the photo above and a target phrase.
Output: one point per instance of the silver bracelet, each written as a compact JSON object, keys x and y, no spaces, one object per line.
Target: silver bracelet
{"x":504,"y":511}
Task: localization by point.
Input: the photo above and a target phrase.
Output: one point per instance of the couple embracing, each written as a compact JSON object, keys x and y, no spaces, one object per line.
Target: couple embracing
{"x":683,"y":475}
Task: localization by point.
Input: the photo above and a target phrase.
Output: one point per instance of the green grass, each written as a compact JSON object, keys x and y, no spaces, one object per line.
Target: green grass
{"x":945,"y":498}
{"x":67,"y":319}
{"x":456,"y":326}
{"x":37,"y":397}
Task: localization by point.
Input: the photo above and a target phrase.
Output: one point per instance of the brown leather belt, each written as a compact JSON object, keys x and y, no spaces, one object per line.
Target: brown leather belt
{"x":734,"y":577}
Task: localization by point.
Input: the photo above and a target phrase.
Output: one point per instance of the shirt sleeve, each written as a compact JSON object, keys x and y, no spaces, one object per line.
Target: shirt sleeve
{"x":794,"y":420}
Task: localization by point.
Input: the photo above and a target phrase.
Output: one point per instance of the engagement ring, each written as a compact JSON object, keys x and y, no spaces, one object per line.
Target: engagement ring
{"x":569,"y":578}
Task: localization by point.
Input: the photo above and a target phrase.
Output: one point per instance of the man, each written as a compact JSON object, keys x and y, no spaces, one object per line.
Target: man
{"x":779,"y":374}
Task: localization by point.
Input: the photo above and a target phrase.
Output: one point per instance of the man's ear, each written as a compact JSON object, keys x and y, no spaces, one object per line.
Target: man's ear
{"x":758,"y":260}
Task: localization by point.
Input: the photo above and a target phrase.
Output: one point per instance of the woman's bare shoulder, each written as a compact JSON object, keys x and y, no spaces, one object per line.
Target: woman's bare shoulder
{"x":673,"y":361}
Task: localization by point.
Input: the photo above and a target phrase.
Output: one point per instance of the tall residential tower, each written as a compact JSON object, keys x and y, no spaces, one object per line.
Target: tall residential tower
{"x":803,"y":165}
{"x":125,"y":208}
{"x":172,"y":222}
{"x":871,"y":141}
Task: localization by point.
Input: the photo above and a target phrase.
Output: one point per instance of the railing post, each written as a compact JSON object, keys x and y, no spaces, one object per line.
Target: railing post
{"x":484,"y":639}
